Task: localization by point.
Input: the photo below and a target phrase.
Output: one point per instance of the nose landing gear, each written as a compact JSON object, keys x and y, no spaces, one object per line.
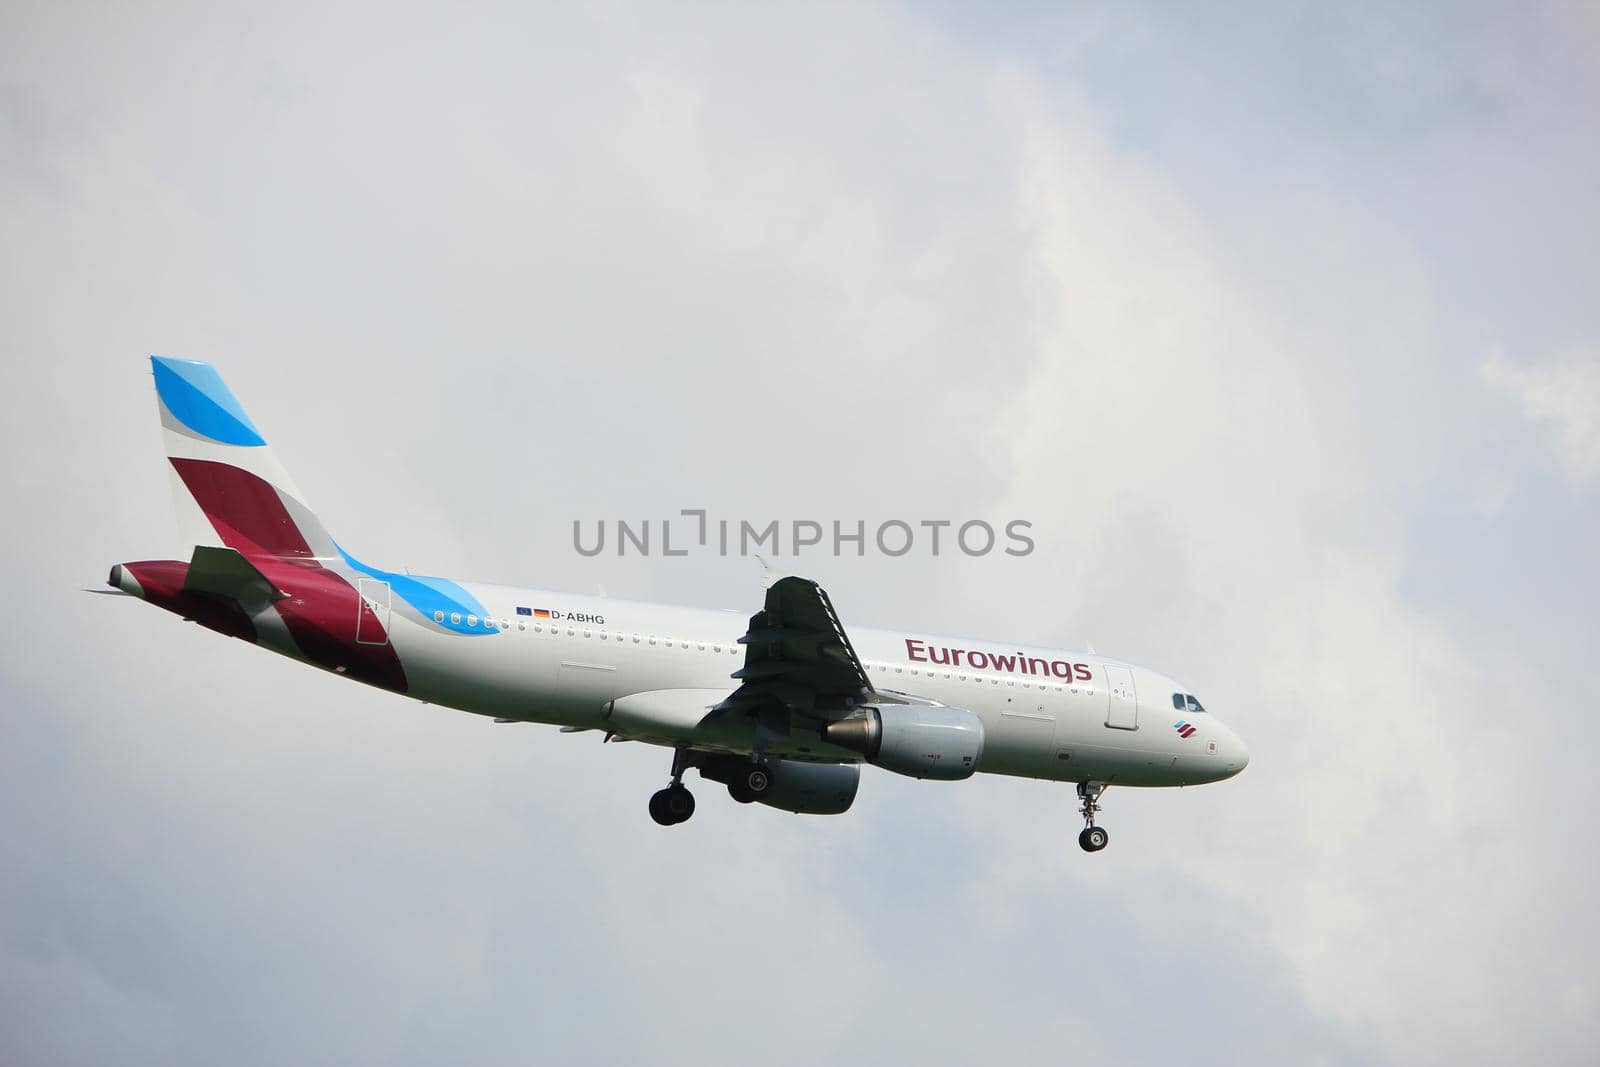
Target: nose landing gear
{"x":1093,"y":838}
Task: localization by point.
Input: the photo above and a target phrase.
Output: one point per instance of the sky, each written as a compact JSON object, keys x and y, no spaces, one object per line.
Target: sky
{"x":1276,"y":322}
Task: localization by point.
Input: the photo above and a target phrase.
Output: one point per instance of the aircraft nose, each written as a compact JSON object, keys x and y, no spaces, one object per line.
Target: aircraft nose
{"x":1238,"y":754}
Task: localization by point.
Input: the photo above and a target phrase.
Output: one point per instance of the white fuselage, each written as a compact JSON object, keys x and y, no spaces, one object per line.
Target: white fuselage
{"x":651,"y":672}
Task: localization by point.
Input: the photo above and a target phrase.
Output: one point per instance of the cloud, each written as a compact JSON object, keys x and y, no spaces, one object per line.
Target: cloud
{"x":1166,"y":288}
{"x":1563,"y":396}
{"x":1193,"y":453}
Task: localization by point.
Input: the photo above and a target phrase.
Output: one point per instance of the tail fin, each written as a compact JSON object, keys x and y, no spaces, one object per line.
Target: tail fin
{"x":231,"y":489}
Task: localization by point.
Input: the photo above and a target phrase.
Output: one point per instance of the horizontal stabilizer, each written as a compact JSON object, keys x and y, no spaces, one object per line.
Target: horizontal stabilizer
{"x":225,"y":572}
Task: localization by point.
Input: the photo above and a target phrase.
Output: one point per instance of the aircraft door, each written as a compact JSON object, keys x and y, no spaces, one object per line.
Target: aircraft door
{"x":372,"y":615}
{"x":1122,"y":705}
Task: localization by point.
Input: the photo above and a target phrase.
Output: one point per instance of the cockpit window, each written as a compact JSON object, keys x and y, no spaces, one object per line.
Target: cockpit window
{"x":1177,"y":701}
{"x":1194,"y":705}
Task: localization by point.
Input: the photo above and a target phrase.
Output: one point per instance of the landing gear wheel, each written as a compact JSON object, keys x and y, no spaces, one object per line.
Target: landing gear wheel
{"x":679,"y":803}
{"x":1093,"y":839}
{"x":671,"y":805}
{"x":658,"y":808}
{"x":751,"y":784}
{"x":757,"y":779}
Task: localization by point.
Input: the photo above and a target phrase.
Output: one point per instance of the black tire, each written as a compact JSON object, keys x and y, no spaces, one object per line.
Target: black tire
{"x":737,"y":790}
{"x":658,"y":808}
{"x":1093,"y":839}
{"x":757,"y":779}
{"x":679,"y":804}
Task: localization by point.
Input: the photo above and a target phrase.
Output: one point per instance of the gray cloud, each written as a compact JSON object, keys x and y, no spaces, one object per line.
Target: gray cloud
{"x":1205,"y":297}
{"x":1566,"y":395}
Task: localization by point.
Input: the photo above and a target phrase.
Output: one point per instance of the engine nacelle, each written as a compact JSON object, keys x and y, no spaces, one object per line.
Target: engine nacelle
{"x":918,"y":740}
{"x":803,"y":788}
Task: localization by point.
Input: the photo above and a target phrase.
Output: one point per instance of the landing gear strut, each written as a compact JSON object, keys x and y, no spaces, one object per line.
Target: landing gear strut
{"x":1093,"y":838}
{"x":674,"y":804}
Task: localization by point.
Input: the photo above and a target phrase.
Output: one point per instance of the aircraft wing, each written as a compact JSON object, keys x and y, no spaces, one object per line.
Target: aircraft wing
{"x":798,"y":659}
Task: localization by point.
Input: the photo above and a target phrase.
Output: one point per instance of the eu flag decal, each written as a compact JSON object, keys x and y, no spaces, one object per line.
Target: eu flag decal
{"x":524,"y":611}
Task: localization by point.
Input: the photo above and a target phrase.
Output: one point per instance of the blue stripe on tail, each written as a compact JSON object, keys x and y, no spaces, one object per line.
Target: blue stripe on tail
{"x":196,"y":396}
{"x":431,"y":595}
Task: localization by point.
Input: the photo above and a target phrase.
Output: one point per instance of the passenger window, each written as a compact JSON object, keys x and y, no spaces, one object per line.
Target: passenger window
{"x":455,"y":618}
{"x":438,"y":616}
{"x":472,"y":620}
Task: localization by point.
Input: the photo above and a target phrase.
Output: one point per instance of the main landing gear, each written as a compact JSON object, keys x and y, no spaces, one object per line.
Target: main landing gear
{"x":1093,"y":838}
{"x":751,"y":783}
{"x":747,"y":783}
{"x":674,"y":804}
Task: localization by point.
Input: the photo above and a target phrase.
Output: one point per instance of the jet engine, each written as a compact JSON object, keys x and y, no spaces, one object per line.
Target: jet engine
{"x":919,"y":740}
{"x":803,"y":788}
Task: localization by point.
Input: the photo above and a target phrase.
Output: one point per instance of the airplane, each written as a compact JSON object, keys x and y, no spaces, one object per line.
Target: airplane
{"x":782,"y":709}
